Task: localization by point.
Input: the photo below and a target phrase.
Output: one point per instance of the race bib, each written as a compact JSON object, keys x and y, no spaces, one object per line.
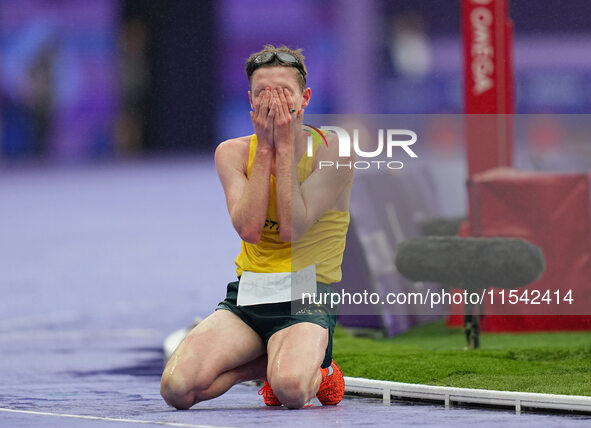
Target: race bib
{"x":262,"y":288}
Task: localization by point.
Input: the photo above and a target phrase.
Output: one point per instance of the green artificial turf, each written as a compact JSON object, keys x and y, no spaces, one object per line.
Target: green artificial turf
{"x":432,"y":354}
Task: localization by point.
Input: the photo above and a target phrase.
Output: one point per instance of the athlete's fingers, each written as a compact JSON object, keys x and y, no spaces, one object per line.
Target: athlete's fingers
{"x":257,"y":106}
{"x":278,"y":101}
{"x":273,"y":96}
{"x":265,"y":102}
{"x":298,"y":121}
{"x":289,"y":100}
{"x":288,"y":103}
{"x":272,"y":111}
{"x":259,"y":101}
{"x":277,"y":104}
{"x":283,"y":101}
{"x":271,"y":102}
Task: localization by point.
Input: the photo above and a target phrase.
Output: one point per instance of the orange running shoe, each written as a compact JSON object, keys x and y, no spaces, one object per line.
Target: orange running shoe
{"x":332,"y":386}
{"x":268,"y":395}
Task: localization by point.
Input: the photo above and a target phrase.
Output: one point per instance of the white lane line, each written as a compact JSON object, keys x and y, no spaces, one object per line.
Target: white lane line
{"x":100,"y":418}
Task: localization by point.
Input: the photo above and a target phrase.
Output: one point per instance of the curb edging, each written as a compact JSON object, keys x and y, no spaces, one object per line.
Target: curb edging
{"x":449,"y":395}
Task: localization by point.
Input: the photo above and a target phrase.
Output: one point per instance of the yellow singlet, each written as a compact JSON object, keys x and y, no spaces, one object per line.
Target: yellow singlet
{"x":322,"y":245}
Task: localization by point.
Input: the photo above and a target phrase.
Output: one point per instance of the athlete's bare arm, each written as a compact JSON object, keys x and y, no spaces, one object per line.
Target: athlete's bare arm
{"x":299,"y":206}
{"x":247,"y":198}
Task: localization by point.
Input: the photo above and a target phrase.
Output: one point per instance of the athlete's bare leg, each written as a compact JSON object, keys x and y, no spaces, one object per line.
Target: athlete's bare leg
{"x":295,"y":355}
{"x":218,"y":353}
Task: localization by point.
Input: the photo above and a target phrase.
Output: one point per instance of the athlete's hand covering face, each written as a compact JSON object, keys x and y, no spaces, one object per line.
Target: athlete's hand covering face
{"x":287,"y":121}
{"x":262,"y":117}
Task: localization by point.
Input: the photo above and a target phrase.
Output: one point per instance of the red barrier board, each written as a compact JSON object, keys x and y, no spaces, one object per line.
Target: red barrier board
{"x":488,"y":83}
{"x":552,"y":211}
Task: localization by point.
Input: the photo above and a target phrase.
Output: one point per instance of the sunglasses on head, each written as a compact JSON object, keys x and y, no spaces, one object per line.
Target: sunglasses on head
{"x":283,"y":57}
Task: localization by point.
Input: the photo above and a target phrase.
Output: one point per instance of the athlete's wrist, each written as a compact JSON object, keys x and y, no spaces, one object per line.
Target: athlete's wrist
{"x":265,"y":148}
{"x":284,"y":150}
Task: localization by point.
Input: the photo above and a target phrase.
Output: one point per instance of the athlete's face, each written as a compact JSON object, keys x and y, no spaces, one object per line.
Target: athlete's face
{"x":275,"y":77}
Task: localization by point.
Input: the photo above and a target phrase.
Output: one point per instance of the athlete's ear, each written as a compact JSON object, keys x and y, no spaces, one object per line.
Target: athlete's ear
{"x":306,"y":97}
{"x":250,"y":99}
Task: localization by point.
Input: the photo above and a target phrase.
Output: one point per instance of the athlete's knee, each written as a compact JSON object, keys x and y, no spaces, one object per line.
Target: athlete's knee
{"x":175,"y":392}
{"x":180,"y":394}
{"x":291,"y":389}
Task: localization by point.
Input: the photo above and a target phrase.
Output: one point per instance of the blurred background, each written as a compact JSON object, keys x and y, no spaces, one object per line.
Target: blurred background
{"x":111,"y":79}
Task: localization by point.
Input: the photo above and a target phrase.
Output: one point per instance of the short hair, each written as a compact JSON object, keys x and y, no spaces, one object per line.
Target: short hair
{"x":251,"y":67}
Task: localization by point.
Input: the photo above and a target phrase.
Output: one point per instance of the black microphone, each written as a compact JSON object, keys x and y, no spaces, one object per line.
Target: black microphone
{"x":470,"y":263}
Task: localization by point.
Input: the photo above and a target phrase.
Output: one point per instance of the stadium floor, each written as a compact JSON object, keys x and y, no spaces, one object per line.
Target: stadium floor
{"x":98,"y":264}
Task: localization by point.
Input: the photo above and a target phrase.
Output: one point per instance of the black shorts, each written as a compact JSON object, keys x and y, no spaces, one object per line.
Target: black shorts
{"x":268,"y":319}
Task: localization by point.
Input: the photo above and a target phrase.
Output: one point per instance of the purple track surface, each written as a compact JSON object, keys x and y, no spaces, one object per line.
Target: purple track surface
{"x":98,"y":264}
